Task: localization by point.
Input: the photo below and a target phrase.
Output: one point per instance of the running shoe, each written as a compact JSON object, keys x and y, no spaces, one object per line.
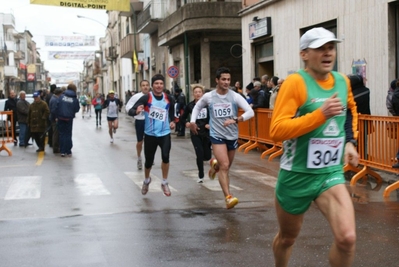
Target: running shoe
{"x":200,"y":180}
{"x":212,"y":172}
{"x":231,"y":201}
{"x":139,"y":164}
{"x":112,"y":140}
{"x":114,"y":130}
{"x":145,"y":187}
{"x":166,"y":190}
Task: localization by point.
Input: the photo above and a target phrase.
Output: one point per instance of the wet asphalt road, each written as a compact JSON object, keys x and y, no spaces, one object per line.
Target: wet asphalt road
{"x":88,"y":210}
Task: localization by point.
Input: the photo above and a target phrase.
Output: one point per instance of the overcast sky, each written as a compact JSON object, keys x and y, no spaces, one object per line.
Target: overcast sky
{"x":41,"y":20}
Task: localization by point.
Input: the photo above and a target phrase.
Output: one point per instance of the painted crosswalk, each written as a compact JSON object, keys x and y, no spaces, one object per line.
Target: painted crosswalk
{"x":212,"y":185}
{"x":155,"y":186}
{"x":24,"y":187}
{"x":91,"y":184}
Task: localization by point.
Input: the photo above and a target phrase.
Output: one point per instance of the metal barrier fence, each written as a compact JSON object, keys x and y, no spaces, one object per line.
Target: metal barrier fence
{"x":378,"y":143}
{"x":7,"y":130}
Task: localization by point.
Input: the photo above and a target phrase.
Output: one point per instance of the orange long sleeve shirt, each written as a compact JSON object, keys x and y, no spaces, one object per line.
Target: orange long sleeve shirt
{"x":292,"y":95}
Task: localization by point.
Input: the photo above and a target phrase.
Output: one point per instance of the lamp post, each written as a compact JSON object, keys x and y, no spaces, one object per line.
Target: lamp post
{"x":111,"y":50}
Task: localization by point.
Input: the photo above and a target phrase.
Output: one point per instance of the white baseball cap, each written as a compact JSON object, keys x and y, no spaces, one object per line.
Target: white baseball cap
{"x":317,"y":37}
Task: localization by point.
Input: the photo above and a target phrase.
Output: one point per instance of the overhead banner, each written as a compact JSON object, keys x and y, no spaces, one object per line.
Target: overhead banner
{"x":64,"y":77}
{"x":70,"y":41}
{"x":70,"y":55}
{"x":117,"y":5}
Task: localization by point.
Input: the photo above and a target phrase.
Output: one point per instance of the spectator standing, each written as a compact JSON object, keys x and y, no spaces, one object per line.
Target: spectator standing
{"x":37,"y":119}
{"x":388,"y":102}
{"x":361,"y":94}
{"x":258,"y":96}
{"x":23,"y":112}
{"x":11,"y":105}
{"x":274,"y":91}
{"x":50,"y":129}
{"x":54,"y":121}
{"x":67,"y":107}
{"x":180,"y":104}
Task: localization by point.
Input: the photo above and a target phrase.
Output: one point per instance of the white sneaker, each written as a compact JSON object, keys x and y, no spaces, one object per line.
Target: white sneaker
{"x":200,"y":180}
{"x":112,"y":140}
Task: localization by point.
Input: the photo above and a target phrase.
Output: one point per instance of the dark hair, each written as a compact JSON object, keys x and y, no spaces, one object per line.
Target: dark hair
{"x":356,"y":80}
{"x":157,"y":77}
{"x":52,"y":88}
{"x":220,"y":71}
{"x":275,"y":80}
{"x":256,"y":79}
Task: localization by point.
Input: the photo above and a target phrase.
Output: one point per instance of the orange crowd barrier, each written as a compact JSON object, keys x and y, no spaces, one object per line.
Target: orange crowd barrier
{"x":378,"y":143}
{"x":7,"y":131}
{"x":256,"y":133}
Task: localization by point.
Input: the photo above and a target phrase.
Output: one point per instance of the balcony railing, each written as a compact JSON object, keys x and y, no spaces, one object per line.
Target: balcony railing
{"x":148,"y":19}
{"x":19,"y":55}
{"x":11,"y":47}
{"x":11,"y":71}
{"x":127,"y":46}
{"x":8,"y":21}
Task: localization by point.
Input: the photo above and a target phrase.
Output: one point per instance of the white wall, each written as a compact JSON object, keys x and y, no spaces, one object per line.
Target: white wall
{"x":362,"y":24}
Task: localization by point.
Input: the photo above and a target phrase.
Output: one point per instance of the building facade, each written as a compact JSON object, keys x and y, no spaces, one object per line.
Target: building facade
{"x":369,"y":30}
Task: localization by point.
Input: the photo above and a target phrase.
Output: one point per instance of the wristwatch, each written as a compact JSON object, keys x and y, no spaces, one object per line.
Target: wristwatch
{"x":236,"y":119}
{"x":353,"y":141}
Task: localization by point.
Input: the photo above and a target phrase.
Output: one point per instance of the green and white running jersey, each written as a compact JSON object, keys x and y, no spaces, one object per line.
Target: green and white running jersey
{"x":321,"y":150}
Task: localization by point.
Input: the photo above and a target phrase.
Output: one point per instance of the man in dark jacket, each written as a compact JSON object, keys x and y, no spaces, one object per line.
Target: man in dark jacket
{"x":47,"y":98}
{"x":53,"y":120}
{"x":37,"y":119}
{"x":67,"y":107}
{"x":23,"y":111}
{"x":180,"y":99}
{"x":360,"y":93}
{"x":11,"y":105}
{"x":258,"y":96}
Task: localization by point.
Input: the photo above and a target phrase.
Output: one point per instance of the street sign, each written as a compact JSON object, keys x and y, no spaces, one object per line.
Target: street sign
{"x":173,"y":72}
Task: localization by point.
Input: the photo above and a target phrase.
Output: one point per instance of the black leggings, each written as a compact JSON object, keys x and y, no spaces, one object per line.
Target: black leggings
{"x":150,"y":147}
{"x":98,"y":114}
{"x":202,"y":146}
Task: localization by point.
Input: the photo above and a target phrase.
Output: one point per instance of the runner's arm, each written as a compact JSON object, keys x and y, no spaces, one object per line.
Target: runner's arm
{"x":242,"y":103}
{"x":351,"y":130}
{"x":285,"y":125}
{"x":203,"y":102}
{"x":141,"y":101}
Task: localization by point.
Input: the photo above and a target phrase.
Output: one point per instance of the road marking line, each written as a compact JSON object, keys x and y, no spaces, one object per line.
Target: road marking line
{"x":40,"y":158}
{"x":258,"y":176}
{"x":212,"y":185}
{"x":89,"y":184}
{"x":24,"y":187}
{"x":155,"y":186}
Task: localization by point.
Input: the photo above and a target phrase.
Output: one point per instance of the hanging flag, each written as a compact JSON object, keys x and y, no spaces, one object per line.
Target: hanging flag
{"x":135,"y":62}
